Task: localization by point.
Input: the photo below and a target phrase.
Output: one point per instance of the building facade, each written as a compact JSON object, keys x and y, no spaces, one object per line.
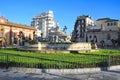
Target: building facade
{"x":102,"y":37}
{"x":10,"y":32}
{"x":102,"y":31}
{"x":80,"y":28}
{"x":43,"y":23}
{"x":109,"y":24}
{"x":48,"y":30}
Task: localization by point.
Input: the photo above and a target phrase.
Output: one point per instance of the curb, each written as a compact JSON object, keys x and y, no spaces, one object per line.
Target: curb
{"x":64,"y":71}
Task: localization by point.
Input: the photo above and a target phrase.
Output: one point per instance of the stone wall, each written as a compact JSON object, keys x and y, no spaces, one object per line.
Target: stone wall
{"x":105,"y":36}
{"x":65,"y":46}
{"x":64,"y":71}
{"x":45,"y":47}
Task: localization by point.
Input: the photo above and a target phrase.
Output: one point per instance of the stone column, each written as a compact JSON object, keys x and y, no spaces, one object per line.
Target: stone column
{"x":39,"y":46}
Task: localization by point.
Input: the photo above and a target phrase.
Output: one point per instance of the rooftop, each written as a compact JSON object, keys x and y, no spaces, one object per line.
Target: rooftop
{"x":43,"y":14}
{"x":4,"y":21}
{"x":107,"y":19}
{"x":19,"y":25}
{"x":84,"y":16}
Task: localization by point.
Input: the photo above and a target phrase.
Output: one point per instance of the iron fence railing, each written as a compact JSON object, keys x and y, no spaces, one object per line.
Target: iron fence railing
{"x":114,"y":60}
{"x":58,"y":62}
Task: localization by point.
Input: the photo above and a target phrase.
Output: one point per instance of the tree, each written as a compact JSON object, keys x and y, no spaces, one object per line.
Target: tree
{"x":34,"y":37}
{"x":4,"y":40}
{"x":22,"y":38}
{"x":21,"y":34}
{"x":118,"y":41}
{"x":3,"y":37}
{"x":102,"y":43}
{"x":113,"y":42}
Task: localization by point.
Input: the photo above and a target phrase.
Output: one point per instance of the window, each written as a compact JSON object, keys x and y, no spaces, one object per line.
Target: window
{"x":83,"y":26}
{"x":78,"y":22}
{"x":82,"y":30}
{"x":90,"y":36}
{"x":83,"y":35}
{"x":80,"y":26}
{"x":95,"y":38}
{"x":108,"y":37}
{"x":76,"y":31}
{"x":108,"y":24}
{"x":29,"y":36}
{"x":37,"y":23}
{"x":80,"y":35}
{"x":115,"y":23}
{"x":82,"y":21}
{"x":111,"y":24}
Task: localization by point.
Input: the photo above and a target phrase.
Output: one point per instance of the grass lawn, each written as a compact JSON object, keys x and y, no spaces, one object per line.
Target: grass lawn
{"x":39,"y":60}
{"x":106,"y":52}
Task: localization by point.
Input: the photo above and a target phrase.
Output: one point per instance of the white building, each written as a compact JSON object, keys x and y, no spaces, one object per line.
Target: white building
{"x":43,"y":23}
{"x":47,"y":28}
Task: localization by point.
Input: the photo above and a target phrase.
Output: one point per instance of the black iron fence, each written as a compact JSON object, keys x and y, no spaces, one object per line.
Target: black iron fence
{"x":114,"y":60}
{"x":58,"y":62}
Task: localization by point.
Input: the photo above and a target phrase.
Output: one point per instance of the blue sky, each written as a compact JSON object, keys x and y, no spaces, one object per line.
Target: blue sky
{"x":65,"y":11}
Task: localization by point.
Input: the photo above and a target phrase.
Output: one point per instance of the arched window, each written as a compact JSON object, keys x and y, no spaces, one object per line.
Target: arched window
{"x":95,"y":38}
{"x":108,"y":24}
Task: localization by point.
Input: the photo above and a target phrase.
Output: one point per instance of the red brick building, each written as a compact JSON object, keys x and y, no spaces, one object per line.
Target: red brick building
{"x":10,"y":32}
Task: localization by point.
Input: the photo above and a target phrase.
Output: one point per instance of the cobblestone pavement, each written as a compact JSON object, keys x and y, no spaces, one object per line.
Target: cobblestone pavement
{"x":14,"y":75}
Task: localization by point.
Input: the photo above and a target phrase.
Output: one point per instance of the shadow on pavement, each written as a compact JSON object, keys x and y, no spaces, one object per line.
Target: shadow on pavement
{"x":114,"y":71}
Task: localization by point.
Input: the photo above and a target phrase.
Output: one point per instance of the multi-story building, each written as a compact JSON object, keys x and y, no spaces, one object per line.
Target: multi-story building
{"x":80,"y":28}
{"x":43,"y":23}
{"x":10,"y":32}
{"x":102,"y":31}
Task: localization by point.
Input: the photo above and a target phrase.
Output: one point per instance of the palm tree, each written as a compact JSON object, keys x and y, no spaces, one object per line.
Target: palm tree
{"x":113,"y":42}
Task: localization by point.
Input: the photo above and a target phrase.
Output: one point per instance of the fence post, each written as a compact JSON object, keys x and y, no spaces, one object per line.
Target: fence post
{"x":7,"y":61}
{"x":59,"y":62}
{"x":109,"y":60}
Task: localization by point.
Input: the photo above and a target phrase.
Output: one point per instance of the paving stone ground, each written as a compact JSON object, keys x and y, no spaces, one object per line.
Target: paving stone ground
{"x":103,"y":75}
